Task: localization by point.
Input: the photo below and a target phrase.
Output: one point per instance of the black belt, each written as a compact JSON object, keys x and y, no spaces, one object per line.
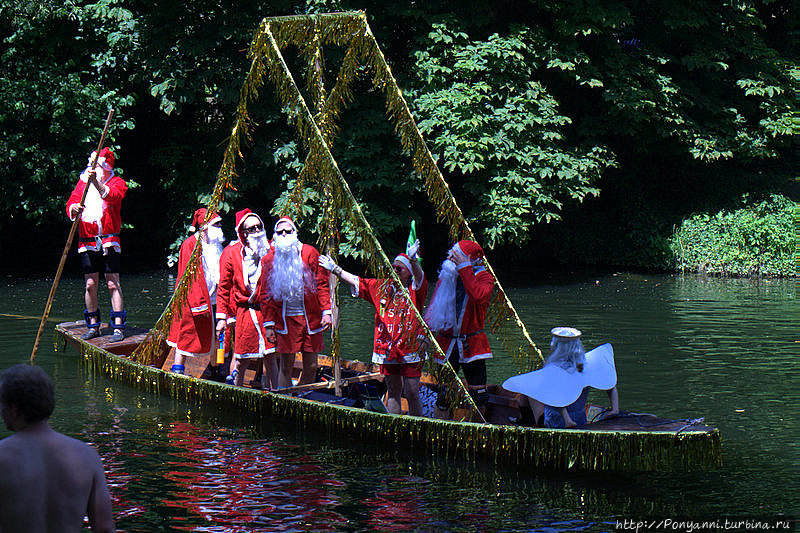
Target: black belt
{"x":94,"y":239}
{"x":465,"y":336}
{"x":250,"y":305}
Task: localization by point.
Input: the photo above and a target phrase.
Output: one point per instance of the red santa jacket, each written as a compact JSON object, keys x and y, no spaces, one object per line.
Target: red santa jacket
{"x":236,"y":302}
{"x":393,"y":320}
{"x":193,"y":334}
{"x":316,"y":302}
{"x":93,"y":236}
{"x":468,"y":335}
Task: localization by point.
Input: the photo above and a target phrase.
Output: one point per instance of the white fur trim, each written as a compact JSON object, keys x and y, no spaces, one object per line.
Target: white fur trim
{"x":284,"y":219}
{"x":406,"y":263}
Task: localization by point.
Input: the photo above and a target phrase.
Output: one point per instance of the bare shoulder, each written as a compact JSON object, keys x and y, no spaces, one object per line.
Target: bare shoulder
{"x":77,"y":447}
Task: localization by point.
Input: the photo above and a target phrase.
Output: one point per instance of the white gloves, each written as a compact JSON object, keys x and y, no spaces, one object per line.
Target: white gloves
{"x":412,"y":249}
{"x":326,"y":262}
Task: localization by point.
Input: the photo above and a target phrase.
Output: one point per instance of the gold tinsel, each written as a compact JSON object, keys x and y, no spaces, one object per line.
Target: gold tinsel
{"x":317,"y":130}
{"x":518,"y":446}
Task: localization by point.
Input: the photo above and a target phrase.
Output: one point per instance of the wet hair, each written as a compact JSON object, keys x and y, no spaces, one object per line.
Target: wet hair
{"x":30,"y":389}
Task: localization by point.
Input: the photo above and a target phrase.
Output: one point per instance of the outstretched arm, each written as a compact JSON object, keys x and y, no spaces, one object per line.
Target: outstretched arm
{"x":329,"y":264}
{"x":613,"y":397}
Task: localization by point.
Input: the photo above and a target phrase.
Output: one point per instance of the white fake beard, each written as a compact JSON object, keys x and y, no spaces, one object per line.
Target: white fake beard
{"x":94,"y":205}
{"x":441,"y":313}
{"x":289,"y":277}
{"x":212,"y":251}
{"x":258,"y":243}
{"x":215,"y":235}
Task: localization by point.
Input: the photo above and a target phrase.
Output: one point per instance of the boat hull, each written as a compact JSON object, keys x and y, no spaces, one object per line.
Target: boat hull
{"x":582,"y":449}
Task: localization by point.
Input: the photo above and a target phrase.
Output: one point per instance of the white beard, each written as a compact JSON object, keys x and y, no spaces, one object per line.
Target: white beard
{"x":289,"y":277}
{"x":441,"y":313}
{"x":257,"y":247}
{"x":258,"y":243}
{"x":211,"y":254}
{"x":215,"y":235}
{"x":94,"y":205}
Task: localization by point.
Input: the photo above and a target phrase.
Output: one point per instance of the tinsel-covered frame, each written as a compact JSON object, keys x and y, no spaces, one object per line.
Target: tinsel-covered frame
{"x":309,"y":33}
{"x":584,"y":450}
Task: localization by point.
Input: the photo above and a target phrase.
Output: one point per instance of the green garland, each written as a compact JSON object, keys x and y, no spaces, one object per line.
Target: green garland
{"x":537,"y":448}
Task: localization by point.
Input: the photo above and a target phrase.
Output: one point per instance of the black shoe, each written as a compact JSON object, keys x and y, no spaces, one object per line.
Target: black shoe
{"x":117,"y":336}
{"x":91,"y":333}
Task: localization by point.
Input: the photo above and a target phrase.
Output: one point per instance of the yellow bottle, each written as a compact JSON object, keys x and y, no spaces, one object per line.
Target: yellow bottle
{"x":221,"y":348}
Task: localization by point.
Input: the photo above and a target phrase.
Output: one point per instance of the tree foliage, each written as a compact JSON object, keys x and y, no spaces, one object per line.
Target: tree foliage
{"x":63,"y":64}
{"x":533,"y":107}
{"x":757,"y":238}
{"x":500,"y":132}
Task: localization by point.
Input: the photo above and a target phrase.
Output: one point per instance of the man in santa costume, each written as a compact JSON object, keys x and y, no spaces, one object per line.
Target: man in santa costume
{"x":193,"y":334}
{"x":295,"y":292}
{"x":457,"y":313}
{"x":396,"y":344}
{"x":237,"y":299}
{"x":98,"y":239}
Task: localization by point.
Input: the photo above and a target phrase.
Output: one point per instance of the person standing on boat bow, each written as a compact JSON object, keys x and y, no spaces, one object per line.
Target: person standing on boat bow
{"x":396,"y":347}
{"x":193,"y":334}
{"x":98,"y":239}
{"x":457,"y":312}
{"x":295,"y":292}
{"x":238,"y":303}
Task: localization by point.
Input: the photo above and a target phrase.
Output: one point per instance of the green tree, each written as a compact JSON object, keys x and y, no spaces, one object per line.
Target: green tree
{"x":501,"y":133}
{"x":62,"y":66}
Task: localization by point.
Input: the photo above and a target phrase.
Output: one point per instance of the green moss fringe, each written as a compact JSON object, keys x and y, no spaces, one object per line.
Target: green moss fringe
{"x":536,"y":448}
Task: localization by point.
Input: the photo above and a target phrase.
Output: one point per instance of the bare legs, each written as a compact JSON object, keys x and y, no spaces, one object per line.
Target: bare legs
{"x":270,"y":367}
{"x":287,"y":365}
{"x":394,"y":388}
{"x":114,"y":290}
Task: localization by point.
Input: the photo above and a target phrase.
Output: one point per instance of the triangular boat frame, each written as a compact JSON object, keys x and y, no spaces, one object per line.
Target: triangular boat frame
{"x":317,"y":131}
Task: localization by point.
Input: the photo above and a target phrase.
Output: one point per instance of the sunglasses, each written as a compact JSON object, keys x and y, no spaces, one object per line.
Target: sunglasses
{"x":253,"y":229}
{"x":284,"y":231}
{"x":398,"y":269}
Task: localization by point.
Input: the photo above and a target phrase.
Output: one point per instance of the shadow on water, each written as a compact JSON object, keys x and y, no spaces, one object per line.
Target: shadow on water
{"x":685,"y":347}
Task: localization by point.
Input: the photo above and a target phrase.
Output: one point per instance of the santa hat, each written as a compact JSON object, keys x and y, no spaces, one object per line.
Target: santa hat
{"x":471,"y":249}
{"x":199,"y":218}
{"x":106,"y":159}
{"x":287,"y":220}
{"x":240,"y":216}
{"x":405,"y":260}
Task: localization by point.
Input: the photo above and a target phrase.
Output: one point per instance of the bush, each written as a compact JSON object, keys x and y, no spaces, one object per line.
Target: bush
{"x":757,"y":239}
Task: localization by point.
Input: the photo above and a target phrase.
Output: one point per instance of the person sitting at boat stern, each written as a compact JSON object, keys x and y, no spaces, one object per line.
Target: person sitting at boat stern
{"x":295,"y":294}
{"x":98,"y":239}
{"x":395,"y":345}
{"x":237,"y":300}
{"x":558,"y":391}
{"x":193,"y":334}
{"x":457,"y":312}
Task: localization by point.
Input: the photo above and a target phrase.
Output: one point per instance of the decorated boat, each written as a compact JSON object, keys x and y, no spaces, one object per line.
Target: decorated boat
{"x":629,"y":443}
{"x":632,"y":443}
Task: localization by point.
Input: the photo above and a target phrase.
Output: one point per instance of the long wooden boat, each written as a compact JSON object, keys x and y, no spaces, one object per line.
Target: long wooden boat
{"x":629,"y":443}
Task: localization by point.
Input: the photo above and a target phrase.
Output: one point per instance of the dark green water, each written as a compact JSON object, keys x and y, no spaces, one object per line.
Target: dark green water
{"x":685,"y":347}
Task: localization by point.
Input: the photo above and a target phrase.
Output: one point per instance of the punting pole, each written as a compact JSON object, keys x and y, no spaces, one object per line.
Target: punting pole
{"x":68,"y":245}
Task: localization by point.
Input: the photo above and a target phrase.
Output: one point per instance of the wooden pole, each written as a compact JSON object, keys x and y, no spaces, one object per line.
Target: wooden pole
{"x":68,"y":245}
